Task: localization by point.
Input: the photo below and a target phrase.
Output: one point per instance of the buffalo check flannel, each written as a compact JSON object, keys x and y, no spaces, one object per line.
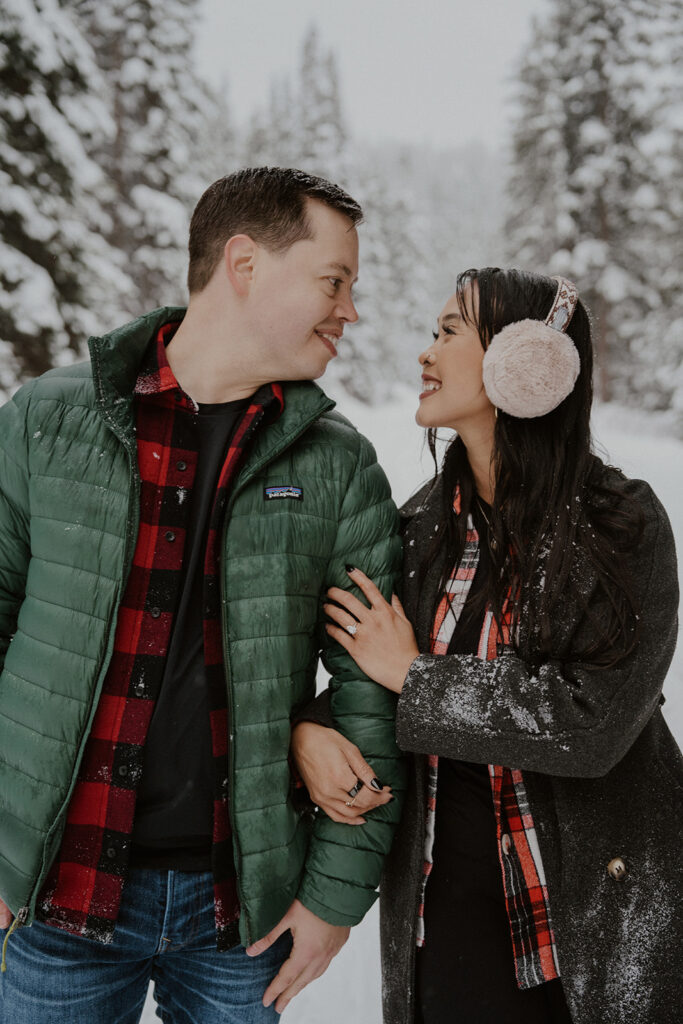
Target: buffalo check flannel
{"x":524,"y":884}
{"x":82,"y":891}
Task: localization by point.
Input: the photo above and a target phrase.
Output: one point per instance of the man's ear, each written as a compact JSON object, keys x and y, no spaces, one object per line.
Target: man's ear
{"x":238,"y":256}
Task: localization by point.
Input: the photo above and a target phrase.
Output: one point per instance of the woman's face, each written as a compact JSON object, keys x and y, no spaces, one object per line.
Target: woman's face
{"x":452,"y":384}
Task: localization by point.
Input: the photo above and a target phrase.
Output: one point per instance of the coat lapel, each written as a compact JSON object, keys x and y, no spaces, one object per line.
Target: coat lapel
{"x":419,"y":519}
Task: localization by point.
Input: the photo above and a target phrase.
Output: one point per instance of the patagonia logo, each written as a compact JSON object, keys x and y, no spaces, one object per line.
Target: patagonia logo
{"x":286,"y":491}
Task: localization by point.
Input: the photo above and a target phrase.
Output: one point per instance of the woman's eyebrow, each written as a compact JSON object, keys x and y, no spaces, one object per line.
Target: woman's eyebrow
{"x":451,"y":316}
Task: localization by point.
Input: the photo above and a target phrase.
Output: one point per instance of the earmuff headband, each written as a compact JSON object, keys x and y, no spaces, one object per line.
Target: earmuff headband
{"x":564,"y":304}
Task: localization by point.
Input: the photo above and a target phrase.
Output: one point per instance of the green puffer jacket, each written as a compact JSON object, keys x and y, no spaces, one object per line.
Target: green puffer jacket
{"x":69,"y":507}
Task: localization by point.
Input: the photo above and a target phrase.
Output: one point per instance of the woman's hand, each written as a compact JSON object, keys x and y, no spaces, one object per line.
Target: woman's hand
{"x":331,"y":766}
{"x":382,"y":641}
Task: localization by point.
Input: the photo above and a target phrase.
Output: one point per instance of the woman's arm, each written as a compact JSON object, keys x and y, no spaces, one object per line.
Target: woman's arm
{"x":562,"y":719}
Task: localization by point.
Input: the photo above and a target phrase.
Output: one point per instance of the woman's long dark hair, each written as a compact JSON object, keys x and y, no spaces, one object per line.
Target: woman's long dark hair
{"x":553,"y":499}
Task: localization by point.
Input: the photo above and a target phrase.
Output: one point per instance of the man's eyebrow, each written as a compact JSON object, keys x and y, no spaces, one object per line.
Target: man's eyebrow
{"x":343,"y":268}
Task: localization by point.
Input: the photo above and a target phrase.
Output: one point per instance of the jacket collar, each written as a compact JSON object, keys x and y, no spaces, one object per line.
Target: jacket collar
{"x":116,"y":359}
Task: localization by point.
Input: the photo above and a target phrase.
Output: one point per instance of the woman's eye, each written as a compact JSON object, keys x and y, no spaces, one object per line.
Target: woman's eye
{"x":435,"y":335}
{"x":334,"y":281}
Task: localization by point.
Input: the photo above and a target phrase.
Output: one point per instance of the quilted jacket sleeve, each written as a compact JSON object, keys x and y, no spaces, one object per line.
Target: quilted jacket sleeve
{"x":14,"y":528}
{"x":344,"y":864}
{"x":562,"y":719}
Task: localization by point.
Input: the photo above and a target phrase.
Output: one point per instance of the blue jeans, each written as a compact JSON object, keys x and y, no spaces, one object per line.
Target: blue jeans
{"x":166,"y":934}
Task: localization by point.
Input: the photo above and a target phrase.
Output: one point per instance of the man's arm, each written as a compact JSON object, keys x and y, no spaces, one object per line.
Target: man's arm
{"x":344,"y":864}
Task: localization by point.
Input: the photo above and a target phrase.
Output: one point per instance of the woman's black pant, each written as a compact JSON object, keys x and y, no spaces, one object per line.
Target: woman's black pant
{"x":465,"y":975}
{"x":465,"y":972}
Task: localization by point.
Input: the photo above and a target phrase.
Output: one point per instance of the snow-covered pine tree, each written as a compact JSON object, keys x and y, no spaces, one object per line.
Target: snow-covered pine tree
{"x":56,"y":271}
{"x":586,"y":197}
{"x":322,"y":136}
{"x":272,"y":138}
{"x":217,"y":139}
{"x":158,"y":105}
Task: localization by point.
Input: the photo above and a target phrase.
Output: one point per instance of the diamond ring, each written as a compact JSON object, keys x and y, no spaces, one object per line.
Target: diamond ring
{"x":352,"y":629}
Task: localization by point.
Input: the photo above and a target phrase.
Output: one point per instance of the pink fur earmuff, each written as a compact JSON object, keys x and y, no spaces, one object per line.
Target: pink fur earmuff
{"x":531,"y":366}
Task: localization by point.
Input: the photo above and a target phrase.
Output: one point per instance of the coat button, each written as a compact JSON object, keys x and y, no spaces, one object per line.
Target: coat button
{"x":506,"y":843}
{"x":617,"y":869}
{"x":181,"y":465}
{"x":155,"y":613}
{"x":170,"y":536}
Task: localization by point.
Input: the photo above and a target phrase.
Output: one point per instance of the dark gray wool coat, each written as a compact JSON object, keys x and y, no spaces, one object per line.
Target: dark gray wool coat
{"x":604,"y":779}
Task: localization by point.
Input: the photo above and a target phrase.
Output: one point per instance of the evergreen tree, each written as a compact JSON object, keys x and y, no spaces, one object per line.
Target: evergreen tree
{"x":53,"y":259}
{"x":322,"y":136}
{"x":587,"y":196}
{"x":159,"y":108}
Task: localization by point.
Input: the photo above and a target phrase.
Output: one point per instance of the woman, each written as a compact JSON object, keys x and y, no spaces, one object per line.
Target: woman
{"x":536,"y":873}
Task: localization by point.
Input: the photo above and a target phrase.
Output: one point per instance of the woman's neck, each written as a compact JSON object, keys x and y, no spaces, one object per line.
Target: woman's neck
{"x":478,"y":441}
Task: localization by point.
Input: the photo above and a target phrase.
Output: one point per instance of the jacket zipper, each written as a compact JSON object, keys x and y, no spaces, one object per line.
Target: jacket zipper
{"x":253,"y":470}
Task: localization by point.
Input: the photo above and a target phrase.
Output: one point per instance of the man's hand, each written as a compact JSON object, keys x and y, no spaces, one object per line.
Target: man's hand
{"x":315,"y":943}
{"x":5,"y":915}
{"x":330,"y":766}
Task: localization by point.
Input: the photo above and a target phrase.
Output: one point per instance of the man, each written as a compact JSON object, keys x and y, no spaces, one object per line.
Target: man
{"x":171,"y":513}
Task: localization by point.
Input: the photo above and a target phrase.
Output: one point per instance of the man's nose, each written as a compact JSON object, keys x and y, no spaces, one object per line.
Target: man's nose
{"x":348,"y":311}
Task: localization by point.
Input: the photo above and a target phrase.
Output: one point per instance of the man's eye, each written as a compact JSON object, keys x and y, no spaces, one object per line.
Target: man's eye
{"x":334,"y":281}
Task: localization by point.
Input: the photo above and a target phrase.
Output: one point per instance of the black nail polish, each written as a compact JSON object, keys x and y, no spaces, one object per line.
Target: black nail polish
{"x":377,"y":785}
{"x":350,"y":568}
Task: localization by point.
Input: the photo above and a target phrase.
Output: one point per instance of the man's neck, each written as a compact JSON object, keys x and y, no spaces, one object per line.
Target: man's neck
{"x":210,"y":362}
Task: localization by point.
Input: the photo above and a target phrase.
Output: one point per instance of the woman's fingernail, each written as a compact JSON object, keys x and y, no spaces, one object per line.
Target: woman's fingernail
{"x":350,"y":568}
{"x":377,"y":785}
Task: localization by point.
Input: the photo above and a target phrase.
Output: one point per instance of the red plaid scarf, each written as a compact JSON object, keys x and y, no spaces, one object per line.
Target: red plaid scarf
{"x":526,"y":893}
{"x":82,"y":892}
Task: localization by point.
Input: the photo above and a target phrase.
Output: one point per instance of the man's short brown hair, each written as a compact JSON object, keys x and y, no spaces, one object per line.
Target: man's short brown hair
{"x":266,"y":203}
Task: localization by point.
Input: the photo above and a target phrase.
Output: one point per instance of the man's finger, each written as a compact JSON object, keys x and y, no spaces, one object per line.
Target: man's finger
{"x":286,"y":976}
{"x":312,"y":971}
{"x":267,"y":941}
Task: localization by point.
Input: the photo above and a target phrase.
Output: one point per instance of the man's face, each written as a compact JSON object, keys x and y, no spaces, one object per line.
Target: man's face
{"x":301,"y":300}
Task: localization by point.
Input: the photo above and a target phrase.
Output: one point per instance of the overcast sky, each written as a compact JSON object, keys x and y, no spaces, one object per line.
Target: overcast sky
{"x":435,"y":71}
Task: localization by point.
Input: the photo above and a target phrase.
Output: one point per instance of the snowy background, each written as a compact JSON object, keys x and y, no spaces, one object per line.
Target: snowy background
{"x":537,"y":133}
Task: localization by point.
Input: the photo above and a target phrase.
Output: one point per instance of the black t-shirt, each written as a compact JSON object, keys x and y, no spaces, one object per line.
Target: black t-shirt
{"x":174,"y":809}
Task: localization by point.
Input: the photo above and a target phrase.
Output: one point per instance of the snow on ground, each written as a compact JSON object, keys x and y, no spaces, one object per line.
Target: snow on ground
{"x":634,"y":441}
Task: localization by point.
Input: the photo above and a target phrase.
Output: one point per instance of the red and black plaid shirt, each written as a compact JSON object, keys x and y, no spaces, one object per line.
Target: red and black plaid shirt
{"x":82,"y":892}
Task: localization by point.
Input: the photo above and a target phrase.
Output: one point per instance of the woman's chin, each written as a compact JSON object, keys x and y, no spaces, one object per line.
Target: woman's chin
{"x":423,"y":419}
